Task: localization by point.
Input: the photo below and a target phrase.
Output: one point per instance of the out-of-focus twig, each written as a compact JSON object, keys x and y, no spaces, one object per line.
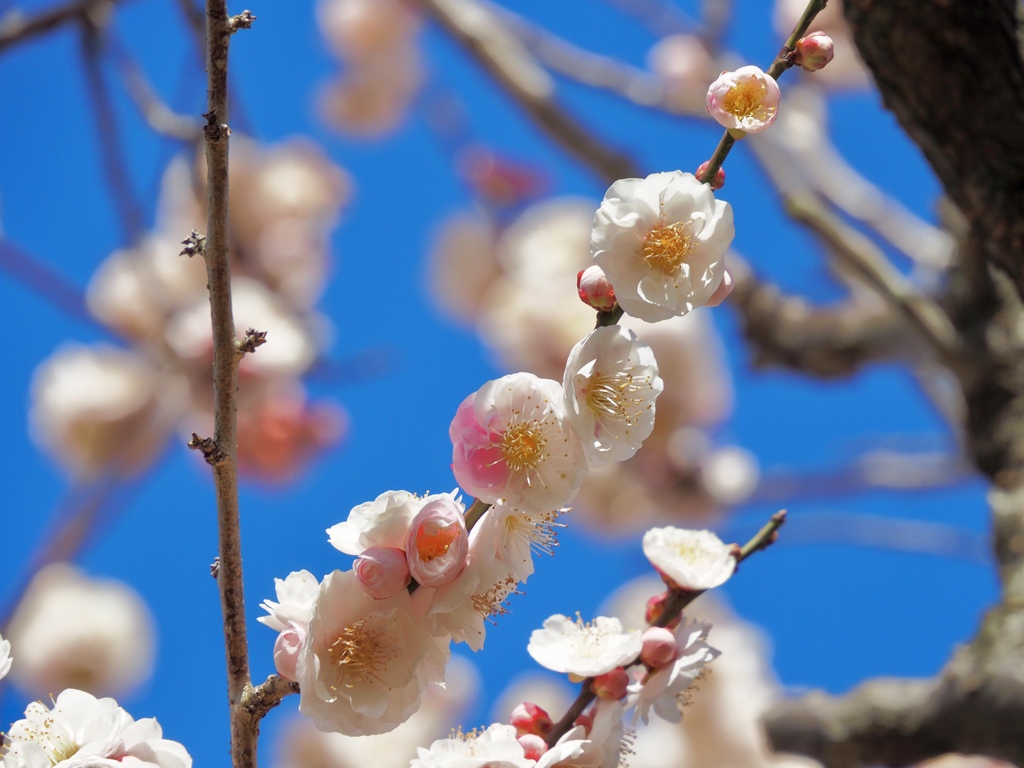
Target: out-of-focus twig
{"x":108,"y":135}
{"x":44,"y":281}
{"x":477,"y":29}
{"x":154,"y":110}
{"x":859,"y":253}
{"x":660,"y":17}
{"x":15,"y":28}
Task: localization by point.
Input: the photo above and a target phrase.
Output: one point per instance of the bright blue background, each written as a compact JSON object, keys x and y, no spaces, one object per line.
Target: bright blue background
{"x":836,"y":613}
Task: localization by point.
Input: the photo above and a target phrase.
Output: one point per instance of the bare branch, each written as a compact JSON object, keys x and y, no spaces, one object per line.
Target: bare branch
{"x":15,"y":29}
{"x":477,"y":29}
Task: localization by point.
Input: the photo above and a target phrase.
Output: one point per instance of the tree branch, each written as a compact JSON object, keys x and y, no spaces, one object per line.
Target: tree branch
{"x":476,"y":28}
{"x":15,"y":29}
{"x":244,"y":727}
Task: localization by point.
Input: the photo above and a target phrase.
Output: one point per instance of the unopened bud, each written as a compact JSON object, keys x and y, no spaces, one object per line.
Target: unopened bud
{"x":659,"y":647}
{"x":611,"y":685}
{"x":382,"y":571}
{"x":594,"y":288}
{"x":287,"y":649}
{"x":529,"y":718}
{"x":533,"y":746}
{"x":814,"y":51}
{"x":716,"y":183}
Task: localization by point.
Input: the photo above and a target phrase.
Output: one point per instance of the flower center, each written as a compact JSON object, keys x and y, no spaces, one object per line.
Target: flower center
{"x":522,"y":446}
{"x":360,"y":652}
{"x":744,"y":99}
{"x":492,"y":601}
{"x":614,"y":396}
{"x":538,"y":529}
{"x":435,"y":538}
{"x":666,"y":247}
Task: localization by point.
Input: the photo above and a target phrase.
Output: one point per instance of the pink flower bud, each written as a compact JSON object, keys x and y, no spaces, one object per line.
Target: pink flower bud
{"x":611,"y":685}
{"x":382,"y":571}
{"x":814,"y":51}
{"x":716,"y":183}
{"x":594,"y":288}
{"x":655,"y":607}
{"x":659,"y":647}
{"x":533,"y":746}
{"x":722,"y":291}
{"x":529,"y":718}
{"x":437,"y":544}
{"x":744,"y":101}
{"x":287,"y":648}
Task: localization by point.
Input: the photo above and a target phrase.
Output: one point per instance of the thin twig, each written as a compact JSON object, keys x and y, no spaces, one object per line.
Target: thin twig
{"x":859,"y":253}
{"x":109,"y":136}
{"x":153,"y":109}
{"x":477,"y":29}
{"x":225,"y":381}
{"x":44,"y":281}
{"x":15,"y":29}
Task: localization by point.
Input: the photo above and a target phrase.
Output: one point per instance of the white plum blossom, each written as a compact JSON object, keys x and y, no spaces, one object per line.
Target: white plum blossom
{"x":584,"y":650}
{"x":366,"y":663}
{"x":662,"y":242}
{"x":82,"y":731}
{"x":495,"y":747}
{"x":744,"y":101}
{"x":611,"y":382}
{"x":512,"y":444}
{"x":520,"y":534}
{"x":383,"y":522}
{"x":295,"y":597}
{"x":74,"y":631}
{"x":665,"y":689}
{"x":692,"y":560}
{"x":5,"y":657}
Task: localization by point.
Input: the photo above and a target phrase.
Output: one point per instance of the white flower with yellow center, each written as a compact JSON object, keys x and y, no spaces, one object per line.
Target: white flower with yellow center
{"x":521,"y":533}
{"x":584,"y":649}
{"x":611,"y":382}
{"x":662,"y":241}
{"x":693,"y":560}
{"x":744,"y":101}
{"x":667,"y":690}
{"x":82,"y":731}
{"x":366,"y":663}
{"x":512,"y":444}
{"x":495,"y":747}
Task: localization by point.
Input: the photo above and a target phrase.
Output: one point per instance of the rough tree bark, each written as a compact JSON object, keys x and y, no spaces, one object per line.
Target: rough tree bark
{"x":953,"y":74}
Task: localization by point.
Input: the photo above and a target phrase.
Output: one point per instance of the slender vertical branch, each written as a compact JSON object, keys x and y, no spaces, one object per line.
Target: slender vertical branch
{"x":223,"y":458}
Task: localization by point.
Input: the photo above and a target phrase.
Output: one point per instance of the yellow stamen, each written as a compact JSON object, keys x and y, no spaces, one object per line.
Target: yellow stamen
{"x":522,"y":446}
{"x":666,"y":247}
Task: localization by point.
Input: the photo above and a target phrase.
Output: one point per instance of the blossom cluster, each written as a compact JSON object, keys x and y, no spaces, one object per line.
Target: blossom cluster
{"x":105,"y":409}
{"x":646,"y":671}
{"x":365,"y":643}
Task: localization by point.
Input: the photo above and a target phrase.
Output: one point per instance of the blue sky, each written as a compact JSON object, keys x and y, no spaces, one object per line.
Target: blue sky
{"x":836,"y":613}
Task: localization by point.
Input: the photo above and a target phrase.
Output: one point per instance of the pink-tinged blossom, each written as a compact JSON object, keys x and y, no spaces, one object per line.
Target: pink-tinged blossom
{"x":690,"y":560}
{"x":533,"y":746}
{"x":495,"y":747}
{"x":662,"y":242}
{"x":664,"y":690}
{"x":463,"y":607}
{"x":295,"y":597}
{"x":512,"y":444}
{"x":583,"y":650}
{"x":81,"y":731}
{"x":594,"y":288}
{"x":382,"y":571}
{"x":611,"y":382}
{"x":746,"y":101}
{"x":383,"y":522}
{"x":437,"y":544}
{"x":366,"y":663}
{"x":814,"y":51}
{"x":287,"y":648}
{"x":717,"y":182}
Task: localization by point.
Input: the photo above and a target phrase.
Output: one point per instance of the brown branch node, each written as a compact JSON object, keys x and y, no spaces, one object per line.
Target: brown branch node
{"x":243,"y":20}
{"x":258,"y":700}
{"x":209,"y":448}
{"x":214,"y":131}
{"x":253,"y":339}
{"x":194,"y":244}
{"x":215,"y":567}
